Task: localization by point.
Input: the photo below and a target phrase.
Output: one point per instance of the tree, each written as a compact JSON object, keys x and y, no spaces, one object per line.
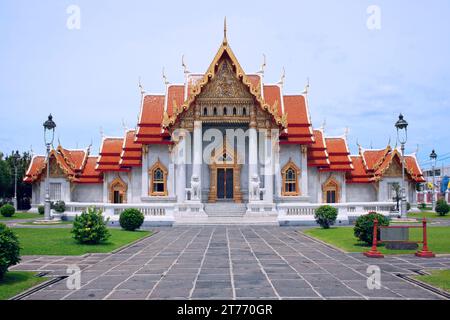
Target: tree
{"x":7,"y":175}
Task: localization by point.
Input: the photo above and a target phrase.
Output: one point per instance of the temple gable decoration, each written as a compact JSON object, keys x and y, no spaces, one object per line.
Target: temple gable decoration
{"x":224,"y":79}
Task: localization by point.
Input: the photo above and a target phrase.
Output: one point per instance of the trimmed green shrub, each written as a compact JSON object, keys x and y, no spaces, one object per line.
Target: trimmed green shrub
{"x":90,"y":227}
{"x":59,"y":206}
{"x":131,"y":219}
{"x":9,"y":249}
{"x":442,"y":207}
{"x":408,"y":206}
{"x":363,"y":229}
{"x":41,"y":209}
{"x":325,"y":216}
{"x":7,"y":210}
{"x":422,"y":206}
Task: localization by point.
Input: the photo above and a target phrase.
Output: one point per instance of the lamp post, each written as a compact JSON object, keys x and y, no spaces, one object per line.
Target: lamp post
{"x":49,"y":134}
{"x":402,"y":137}
{"x":15,"y":157}
{"x":433,"y":157}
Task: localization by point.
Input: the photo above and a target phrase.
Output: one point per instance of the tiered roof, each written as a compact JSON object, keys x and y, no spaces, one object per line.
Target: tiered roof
{"x":76,"y":164}
{"x":131,"y":155}
{"x":338,"y":154}
{"x":317,"y":152}
{"x":110,"y":151}
{"x":159,"y":112}
{"x":370,"y":165}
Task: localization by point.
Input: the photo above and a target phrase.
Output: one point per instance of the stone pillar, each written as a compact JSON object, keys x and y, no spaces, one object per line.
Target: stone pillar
{"x":196,"y":187}
{"x":253,"y":161}
{"x":268,"y":168}
{"x":105,"y":187}
{"x":344,"y":189}
{"x":277,"y":168}
{"x":144,"y":173}
{"x":171,"y":174}
{"x":181,"y":167}
{"x":304,"y":177}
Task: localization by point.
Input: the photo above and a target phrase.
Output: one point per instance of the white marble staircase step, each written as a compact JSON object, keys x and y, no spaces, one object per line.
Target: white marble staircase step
{"x":225,"y":209}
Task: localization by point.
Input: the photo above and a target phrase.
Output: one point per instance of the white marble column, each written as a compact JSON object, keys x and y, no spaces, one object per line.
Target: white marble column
{"x":253,"y":161}
{"x":144,"y":173}
{"x":171,"y":174}
{"x":304,"y":176}
{"x":277,"y":167}
{"x":105,"y":187}
{"x":344,"y":189}
{"x":268,"y":168}
{"x":181,"y":168}
{"x":197,"y":162}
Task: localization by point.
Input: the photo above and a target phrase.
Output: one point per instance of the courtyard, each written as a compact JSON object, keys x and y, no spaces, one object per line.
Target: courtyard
{"x":230,"y":262}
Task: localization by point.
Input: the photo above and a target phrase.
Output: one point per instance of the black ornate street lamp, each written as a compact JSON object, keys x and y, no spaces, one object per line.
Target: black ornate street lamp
{"x":49,"y":135}
{"x":15,"y":158}
{"x":402,"y":137}
{"x":433,"y":157}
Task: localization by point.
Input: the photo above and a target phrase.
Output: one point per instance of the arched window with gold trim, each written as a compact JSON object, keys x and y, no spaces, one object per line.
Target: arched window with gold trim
{"x":158,"y":179}
{"x":290,"y":174}
{"x":118,"y":191}
{"x":331,"y":191}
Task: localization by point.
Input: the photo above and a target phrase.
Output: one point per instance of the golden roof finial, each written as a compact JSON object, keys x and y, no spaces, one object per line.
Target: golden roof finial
{"x":306,"y":90}
{"x":225,"y":41}
{"x":283,"y":76}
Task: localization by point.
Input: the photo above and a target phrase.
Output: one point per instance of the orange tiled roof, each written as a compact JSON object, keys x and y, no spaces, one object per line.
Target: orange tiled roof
{"x":299,"y":128}
{"x":359,"y":173}
{"x":77,"y":165}
{"x":131,"y":154}
{"x":413,"y":168}
{"x":338,"y":154}
{"x":272,"y":95}
{"x":175,"y":97}
{"x":37,"y":165}
{"x":110,"y":155}
{"x":150,"y":119}
{"x":89,"y":174}
{"x":373,"y":158}
{"x":317,"y":152}
{"x":370,"y":165}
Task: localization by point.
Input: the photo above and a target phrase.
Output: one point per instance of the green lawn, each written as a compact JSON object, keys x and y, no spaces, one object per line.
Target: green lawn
{"x":42,"y":224}
{"x":428,"y":215}
{"x":437,"y":278}
{"x":21,"y":215}
{"x":342,"y":237}
{"x":15,"y":282}
{"x":59,"y":241}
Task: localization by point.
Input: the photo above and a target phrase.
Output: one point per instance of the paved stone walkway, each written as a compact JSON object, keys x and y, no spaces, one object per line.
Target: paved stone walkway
{"x":231,"y":262}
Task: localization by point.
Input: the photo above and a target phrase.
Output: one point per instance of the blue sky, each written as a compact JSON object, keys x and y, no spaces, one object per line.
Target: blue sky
{"x":360,"y":78}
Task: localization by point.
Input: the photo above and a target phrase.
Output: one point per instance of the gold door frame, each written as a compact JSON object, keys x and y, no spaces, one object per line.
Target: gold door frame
{"x":237,"y":195}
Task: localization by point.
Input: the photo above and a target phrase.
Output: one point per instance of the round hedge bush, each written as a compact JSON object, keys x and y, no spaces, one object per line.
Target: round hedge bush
{"x":131,"y":219}
{"x":442,"y":207}
{"x":59,"y":206}
{"x":363,"y":229}
{"x":90,"y":227}
{"x":7,"y":210}
{"x":9,"y":249}
{"x":41,"y":209}
{"x":326,"y":216}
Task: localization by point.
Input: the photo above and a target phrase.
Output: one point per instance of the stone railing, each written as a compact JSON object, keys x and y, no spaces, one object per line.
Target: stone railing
{"x":349,"y":208}
{"x":303,"y":213}
{"x":114,"y":209}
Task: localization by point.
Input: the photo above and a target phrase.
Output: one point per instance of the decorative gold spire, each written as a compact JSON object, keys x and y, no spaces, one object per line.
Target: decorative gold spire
{"x":225,"y":41}
{"x":306,"y":90}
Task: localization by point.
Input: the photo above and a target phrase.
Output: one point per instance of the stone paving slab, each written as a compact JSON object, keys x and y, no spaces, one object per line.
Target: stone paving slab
{"x":231,"y":262}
